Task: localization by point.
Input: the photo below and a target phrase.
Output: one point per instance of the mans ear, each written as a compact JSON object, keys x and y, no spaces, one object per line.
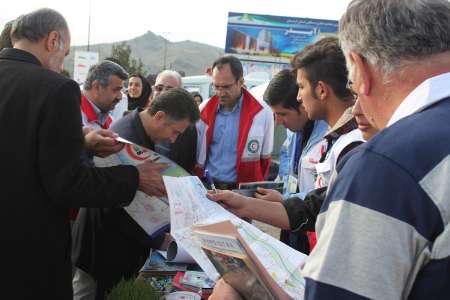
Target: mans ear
{"x":322,"y":90}
{"x":363,"y":73}
{"x":95,"y":85}
{"x":52,"y":41}
{"x":95,"y":88}
{"x":241,"y":82}
{"x":160,"y":116}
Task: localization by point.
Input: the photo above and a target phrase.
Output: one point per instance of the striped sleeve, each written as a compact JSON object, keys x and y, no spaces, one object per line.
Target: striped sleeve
{"x":374,"y":231}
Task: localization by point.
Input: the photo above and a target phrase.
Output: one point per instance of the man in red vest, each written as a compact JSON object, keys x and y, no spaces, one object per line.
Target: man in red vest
{"x":235,"y":131}
{"x":101,"y":92}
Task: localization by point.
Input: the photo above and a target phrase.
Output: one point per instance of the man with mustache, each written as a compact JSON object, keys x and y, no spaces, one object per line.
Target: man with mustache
{"x":102,"y":90}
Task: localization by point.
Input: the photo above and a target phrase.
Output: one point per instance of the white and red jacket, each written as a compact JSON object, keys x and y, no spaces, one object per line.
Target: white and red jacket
{"x":255,"y":140}
{"x":90,"y":118}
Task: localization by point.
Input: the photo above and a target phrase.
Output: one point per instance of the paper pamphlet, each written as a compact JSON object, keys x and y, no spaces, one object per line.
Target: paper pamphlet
{"x":248,"y":189}
{"x":195,"y":282}
{"x":236,"y":263}
{"x":197,"y":279}
{"x":183,"y":295}
{"x":190,"y":207}
{"x":150,"y":212}
{"x":274,"y":185}
{"x":157,"y":264}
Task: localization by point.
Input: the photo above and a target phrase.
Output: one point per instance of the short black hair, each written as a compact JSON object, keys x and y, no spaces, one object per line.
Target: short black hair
{"x":325,"y":61}
{"x":197,"y":94}
{"x":177,"y":103}
{"x":283,"y":90}
{"x":235,"y":65}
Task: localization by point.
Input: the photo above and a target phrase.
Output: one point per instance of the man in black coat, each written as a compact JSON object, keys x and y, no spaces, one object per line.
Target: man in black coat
{"x":40,"y":124}
{"x":107,"y":243}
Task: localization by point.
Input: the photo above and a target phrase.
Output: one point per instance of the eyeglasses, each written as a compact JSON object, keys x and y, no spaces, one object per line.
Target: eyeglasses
{"x":349,"y":87}
{"x":162,"y":87}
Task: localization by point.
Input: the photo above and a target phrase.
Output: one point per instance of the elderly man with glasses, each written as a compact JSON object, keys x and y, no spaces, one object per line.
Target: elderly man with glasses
{"x":235,"y":131}
{"x":165,"y":81}
{"x":186,"y":141}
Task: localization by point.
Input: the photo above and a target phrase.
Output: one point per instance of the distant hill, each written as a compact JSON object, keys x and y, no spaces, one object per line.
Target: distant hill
{"x":188,"y":56}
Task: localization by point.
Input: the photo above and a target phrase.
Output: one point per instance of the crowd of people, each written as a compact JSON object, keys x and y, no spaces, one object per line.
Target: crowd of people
{"x":365,"y":165}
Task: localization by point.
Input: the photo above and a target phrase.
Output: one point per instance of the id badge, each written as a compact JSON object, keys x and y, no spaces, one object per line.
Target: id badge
{"x":292,"y":184}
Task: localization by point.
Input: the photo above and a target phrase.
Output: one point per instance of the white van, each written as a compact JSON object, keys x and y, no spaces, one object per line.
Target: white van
{"x":203,"y":83}
{"x":200,"y":83}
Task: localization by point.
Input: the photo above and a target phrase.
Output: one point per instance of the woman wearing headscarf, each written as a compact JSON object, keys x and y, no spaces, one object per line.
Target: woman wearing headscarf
{"x":138,"y":91}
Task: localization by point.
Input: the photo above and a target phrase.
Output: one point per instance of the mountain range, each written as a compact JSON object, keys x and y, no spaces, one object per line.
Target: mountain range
{"x":190,"y":57}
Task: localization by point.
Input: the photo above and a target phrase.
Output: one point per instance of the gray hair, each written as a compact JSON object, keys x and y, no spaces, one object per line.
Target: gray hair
{"x":390,"y":34}
{"x":170,"y":73}
{"x":38,"y":24}
{"x":103,"y":72}
{"x":5,"y":36}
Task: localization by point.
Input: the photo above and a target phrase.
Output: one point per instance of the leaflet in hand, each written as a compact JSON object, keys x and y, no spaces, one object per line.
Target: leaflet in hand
{"x":248,"y":189}
{"x":189,"y":207}
{"x":150,"y":212}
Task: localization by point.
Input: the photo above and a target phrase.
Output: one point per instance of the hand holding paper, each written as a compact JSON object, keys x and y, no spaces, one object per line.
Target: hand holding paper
{"x":150,"y":179}
{"x":101,"y":142}
{"x":233,"y":202}
{"x":268,"y":195}
{"x":189,"y":208}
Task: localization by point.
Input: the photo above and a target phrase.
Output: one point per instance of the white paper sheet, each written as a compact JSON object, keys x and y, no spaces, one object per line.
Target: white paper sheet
{"x":177,"y":254}
{"x":151,"y":213}
{"x":189,"y":206}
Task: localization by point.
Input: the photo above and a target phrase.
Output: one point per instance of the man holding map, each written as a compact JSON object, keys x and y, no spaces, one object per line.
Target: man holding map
{"x":383,"y":230}
{"x":40,"y":124}
{"x":118,"y":248}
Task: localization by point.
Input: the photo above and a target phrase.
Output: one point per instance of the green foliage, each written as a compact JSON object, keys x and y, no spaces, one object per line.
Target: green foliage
{"x":122,"y":52}
{"x":132,"y":289}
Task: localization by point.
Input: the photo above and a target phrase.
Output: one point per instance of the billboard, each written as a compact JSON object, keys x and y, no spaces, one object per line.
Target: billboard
{"x":262,"y":70}
{"x":273,"y":39}
{"x":83,"y":60}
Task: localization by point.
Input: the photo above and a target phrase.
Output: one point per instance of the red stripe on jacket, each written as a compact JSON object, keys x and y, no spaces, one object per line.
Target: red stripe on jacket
{"x":88,"y":110}
{"x":246,"y":171}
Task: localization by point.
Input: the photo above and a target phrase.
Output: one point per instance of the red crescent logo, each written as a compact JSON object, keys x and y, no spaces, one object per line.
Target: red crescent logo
{"x":136,"y":152}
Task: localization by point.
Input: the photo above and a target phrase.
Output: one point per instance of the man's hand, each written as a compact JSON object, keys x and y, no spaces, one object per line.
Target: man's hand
{"x":268,"y":195}
{"x":101,"y":142}
{"x":223,"y":291}
{"x":150,"y":179}
{"x":234,"y":202}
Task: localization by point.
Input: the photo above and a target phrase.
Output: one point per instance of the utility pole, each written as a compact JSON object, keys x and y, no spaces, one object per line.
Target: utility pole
{"x":165,"y":35}
{"x":89,"y":27}
{"x":165,"y":53}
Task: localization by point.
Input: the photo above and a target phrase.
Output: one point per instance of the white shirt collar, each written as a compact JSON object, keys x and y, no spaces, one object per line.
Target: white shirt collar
{"x":430,"y":91}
